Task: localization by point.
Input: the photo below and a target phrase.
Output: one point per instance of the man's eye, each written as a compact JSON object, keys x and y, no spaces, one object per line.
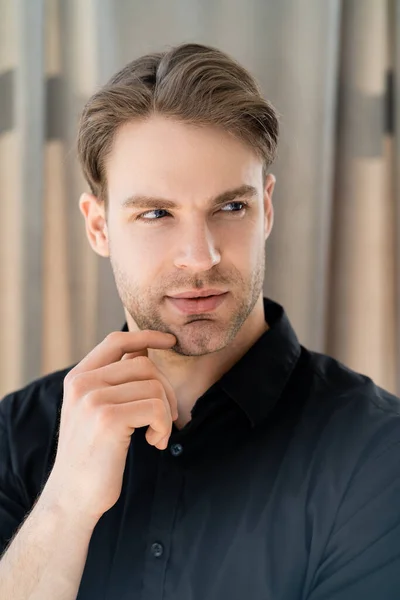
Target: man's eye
{"x":153,"y":215}
{"x":237,"y":207}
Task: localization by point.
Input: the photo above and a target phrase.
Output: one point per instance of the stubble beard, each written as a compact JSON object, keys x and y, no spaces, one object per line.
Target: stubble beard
{"x":199,"y":334}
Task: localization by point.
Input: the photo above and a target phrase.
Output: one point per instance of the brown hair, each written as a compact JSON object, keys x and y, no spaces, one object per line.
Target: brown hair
{"x":192,"y":83}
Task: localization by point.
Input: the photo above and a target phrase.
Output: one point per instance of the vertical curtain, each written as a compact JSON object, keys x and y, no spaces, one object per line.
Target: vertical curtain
{"x":362,"y":309}
{"x":57,"y":299}
{"x":331,"y":69}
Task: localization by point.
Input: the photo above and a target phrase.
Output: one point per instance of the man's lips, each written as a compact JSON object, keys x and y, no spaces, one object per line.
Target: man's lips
{"x":197,"y":293}
{"x":193,"y":306}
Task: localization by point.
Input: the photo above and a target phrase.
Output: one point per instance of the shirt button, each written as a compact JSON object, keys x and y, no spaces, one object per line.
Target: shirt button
{"x":176,"y":449}
{"x":157,"y":549}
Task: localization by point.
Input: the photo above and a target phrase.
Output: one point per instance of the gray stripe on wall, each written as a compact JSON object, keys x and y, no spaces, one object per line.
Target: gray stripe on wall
{"x":7,"y":118}
{"x":363,"y":123}
{"x":55,"y":111}
{"x":54,"y":105}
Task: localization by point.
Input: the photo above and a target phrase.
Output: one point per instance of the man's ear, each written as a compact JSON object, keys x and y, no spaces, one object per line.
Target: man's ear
{"x":270,"y":181}
{"x":93,"y":211}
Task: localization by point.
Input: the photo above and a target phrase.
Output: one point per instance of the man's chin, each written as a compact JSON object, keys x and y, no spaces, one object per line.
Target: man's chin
{"x":195,"y":350}
{"x":200,"y":340}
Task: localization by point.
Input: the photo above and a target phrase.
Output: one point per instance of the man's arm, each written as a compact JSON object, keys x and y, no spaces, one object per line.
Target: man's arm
{"x":362,"y":556}
{"x":49,"y":551}
{"x":105,"y":399}
{"x":47,"y":556}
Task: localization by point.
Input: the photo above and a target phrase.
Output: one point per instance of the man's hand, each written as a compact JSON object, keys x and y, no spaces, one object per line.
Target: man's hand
{"x":105,"y":400}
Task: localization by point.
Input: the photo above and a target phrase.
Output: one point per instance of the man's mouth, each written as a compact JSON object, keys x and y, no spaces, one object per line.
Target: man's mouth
{"x":189,"y":304}
{"x":198,"y":293}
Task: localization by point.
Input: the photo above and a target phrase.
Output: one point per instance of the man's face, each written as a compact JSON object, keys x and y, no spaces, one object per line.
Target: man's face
{"x":182,"y":241}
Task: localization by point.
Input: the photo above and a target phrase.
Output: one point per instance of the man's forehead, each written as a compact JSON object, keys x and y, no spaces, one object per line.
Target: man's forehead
{"x":198,"y":166}
{"x":168,"y":142}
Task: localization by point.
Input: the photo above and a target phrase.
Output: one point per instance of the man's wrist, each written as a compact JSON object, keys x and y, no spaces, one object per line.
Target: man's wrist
{"x":67,"y":512}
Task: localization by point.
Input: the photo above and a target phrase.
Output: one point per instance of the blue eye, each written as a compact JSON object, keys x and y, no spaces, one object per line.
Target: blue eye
{"x":239,"y":206}
{"x":156,"y":212}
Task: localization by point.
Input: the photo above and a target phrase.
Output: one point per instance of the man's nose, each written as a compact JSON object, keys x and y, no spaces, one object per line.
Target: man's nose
{"x":197,"y":250}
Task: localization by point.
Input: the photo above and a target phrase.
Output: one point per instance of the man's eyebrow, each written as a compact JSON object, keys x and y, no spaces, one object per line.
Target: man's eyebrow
{"x":149,"y":202}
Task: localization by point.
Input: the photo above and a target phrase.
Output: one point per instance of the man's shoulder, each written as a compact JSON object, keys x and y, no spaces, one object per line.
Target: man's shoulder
{"x":342,"y":385}
{"x":41,"y":397}
{"x":352,"y":427}
{"x":351,"y":409}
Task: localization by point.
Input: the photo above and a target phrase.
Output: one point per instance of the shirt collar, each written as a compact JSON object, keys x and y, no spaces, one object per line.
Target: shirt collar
{"x":258,"y":379}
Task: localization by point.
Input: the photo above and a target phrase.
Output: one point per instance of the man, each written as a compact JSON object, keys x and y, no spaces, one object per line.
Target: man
{"x":201,"y":453}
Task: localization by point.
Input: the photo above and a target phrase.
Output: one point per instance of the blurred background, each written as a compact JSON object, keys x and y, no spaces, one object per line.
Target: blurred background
{"x":330,"y":67}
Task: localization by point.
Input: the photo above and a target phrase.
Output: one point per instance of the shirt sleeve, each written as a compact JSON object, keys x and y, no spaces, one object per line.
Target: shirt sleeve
{"x":362,"y":556}
{"x":12,"y":505}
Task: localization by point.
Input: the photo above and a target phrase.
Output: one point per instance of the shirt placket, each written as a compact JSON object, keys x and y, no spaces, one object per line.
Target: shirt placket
{"x":165,"y":502}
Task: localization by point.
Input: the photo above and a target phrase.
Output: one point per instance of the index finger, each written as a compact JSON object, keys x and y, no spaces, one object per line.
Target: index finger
{"x":118,"y":343}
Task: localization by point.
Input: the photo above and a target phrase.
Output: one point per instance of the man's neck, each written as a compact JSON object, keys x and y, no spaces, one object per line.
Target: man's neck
{"x":192,"y":376}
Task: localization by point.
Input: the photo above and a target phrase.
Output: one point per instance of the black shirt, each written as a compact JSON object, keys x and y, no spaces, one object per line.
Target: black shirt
{"x":284,"y":485}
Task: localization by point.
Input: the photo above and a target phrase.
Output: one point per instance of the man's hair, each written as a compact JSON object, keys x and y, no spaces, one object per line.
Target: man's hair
{"x":192,"y":83}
